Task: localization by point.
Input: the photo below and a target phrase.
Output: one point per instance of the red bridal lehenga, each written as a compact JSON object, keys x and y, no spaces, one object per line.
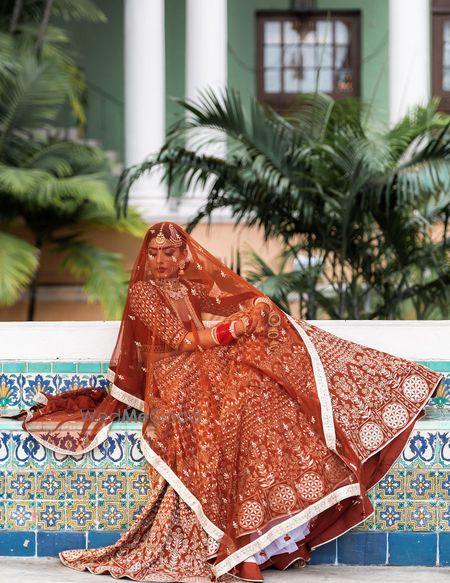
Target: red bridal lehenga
{"x":258,"y":451}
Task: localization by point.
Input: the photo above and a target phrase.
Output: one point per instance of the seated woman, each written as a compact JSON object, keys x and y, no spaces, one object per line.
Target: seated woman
{"x":262,"y":433}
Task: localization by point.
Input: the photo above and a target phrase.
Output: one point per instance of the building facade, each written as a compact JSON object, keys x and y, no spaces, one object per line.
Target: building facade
{"x":393,"y":54}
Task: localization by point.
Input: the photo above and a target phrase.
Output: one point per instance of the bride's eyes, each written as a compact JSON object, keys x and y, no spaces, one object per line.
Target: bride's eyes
{"x":152,"y":254}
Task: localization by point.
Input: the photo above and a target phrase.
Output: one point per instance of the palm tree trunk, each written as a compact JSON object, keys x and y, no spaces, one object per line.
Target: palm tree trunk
{"x":44,"y":25}
{"x":18,"y":4}
{"x":34,"y":285}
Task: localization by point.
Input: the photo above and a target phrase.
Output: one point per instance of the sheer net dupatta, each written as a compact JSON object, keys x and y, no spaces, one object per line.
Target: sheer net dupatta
{"x":196,"y":402}
{"x":152,"y":327}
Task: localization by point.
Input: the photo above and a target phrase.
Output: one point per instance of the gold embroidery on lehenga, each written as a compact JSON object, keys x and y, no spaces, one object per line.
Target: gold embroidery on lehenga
{"x":260,"y":458}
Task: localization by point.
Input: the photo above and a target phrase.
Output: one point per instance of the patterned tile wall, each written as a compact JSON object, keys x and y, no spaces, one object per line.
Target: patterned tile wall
{"x":104,"y":490}
{"x":40,"y":490}
{"x":20,"y":381}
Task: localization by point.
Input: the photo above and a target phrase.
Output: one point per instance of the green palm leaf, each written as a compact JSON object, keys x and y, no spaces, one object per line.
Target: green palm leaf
{"x":104,"y":278}
{"x":18,"y":263}
{"x":32,"y":98}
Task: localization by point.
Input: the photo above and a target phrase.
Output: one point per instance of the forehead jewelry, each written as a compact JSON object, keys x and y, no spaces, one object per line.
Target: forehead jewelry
{"x":174,"y":240}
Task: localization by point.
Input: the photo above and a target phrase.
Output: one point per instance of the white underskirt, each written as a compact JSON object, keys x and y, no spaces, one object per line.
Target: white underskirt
{"x":280,"y":545}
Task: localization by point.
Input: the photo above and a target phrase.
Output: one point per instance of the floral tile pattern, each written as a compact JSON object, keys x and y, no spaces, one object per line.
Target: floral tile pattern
{"x":81,"y":485}
{"x":50,"y":515}
{"x":20,"y":485}
{"x":112,"y":515}
{"x":81,"y":515}
{"x":21,"y":381}
{"x":392,"y":486}
{"x":50,"y":485}
{"x":107,"y":488}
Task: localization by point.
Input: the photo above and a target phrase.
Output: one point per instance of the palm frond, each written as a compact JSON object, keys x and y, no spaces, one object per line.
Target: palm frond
{"x":18,"y":263}
{"x":32,"y":98}
{"x":93,"y":216}
{"x":104,"y":279}
{"x":85,"y":10}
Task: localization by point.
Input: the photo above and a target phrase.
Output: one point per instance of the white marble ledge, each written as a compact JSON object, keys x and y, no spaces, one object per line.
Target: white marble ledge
{"x":420,"y":340}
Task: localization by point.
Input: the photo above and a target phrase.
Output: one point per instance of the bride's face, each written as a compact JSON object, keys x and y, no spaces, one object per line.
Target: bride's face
{"x":164,"y":261}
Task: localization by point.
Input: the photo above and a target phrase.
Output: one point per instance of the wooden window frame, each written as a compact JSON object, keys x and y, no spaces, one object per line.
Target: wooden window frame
{"x":441,"y":13}
{"x":283,"y":101}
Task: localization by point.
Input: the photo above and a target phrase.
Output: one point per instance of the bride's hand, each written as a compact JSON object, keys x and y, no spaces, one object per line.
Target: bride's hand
{"x":252,"y":320}
{"x":259,"y":316}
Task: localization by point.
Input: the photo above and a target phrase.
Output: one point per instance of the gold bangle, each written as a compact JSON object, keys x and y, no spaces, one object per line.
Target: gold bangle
{"x":214,"y":335}
{"x":274,"y":319}
{"x":263,"y":299}
{"x":232,"y":330}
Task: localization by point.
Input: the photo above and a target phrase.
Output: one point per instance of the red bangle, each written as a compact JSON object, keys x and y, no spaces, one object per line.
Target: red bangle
{"x":223,"y":333}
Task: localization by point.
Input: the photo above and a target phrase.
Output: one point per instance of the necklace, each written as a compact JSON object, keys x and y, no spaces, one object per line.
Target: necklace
{"x":172,"y":287}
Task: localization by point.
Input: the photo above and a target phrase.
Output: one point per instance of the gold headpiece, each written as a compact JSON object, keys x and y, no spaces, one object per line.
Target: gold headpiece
{"x":174,"y":238}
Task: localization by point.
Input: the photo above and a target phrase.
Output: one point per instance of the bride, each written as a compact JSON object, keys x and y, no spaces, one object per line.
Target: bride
{"x":262,"y":432}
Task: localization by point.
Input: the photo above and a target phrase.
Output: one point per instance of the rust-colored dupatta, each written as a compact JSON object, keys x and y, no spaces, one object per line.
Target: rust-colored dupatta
{"x":287,"y":425}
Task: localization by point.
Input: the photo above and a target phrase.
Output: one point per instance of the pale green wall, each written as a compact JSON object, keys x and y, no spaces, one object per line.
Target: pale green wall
{"x":175,"y":57}
{"x":100,"y":51}
{"x":101,"y":54}
{"x":374,"y":45}
{"x":242,"y":41}
{"x":374,"y":49}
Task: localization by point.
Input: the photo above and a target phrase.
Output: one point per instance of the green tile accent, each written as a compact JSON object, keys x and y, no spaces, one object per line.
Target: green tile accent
{"x":13,"y":366}
{"x":39,"y":367}
{"x":439,"y":366}
{"x":64,"y":367}
{"x":105,"y":366}
{"x":89,"y":367}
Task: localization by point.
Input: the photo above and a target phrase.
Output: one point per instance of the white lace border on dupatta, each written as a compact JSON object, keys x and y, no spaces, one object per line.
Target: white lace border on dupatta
{"x":126,"y":398}
{"x":98,"y":439}
{"x":326,"y":409}
{"x":265,"y":539}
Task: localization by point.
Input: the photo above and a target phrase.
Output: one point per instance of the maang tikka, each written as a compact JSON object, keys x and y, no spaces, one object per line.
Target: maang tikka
{"x":174,"y":240}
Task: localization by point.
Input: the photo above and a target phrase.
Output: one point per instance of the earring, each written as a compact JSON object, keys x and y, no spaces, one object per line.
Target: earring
{"x":182,"y":265}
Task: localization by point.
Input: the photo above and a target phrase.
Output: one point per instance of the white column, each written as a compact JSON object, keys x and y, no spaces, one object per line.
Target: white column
{"x":206,"y":45}
{"x":145,"y":96}
{"x":206,"y":67}
{"x":409,"y":55}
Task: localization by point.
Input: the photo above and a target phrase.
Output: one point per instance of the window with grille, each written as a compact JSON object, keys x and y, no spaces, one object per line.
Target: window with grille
{"x":297,"y":52}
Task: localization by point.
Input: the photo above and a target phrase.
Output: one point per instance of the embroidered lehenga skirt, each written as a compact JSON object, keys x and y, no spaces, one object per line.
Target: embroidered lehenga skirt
{"x":278,"y":461}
